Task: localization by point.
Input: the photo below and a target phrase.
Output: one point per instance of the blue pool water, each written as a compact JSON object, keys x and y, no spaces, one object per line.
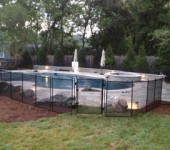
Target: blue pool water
{"x":62,"y":81}
{"x":65,"y":81}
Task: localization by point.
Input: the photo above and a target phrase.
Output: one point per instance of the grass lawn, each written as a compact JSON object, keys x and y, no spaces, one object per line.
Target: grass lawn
{"x":88,"y":132}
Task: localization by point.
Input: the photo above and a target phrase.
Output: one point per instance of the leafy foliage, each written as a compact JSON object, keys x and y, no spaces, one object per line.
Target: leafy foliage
{"x":146,"y":18}
{"x":42,"y":57}
{"x":52,"y":24}
{"x":129,"y":61}
{"x":13,"y":19}
{"x":164,"y":49}
{"x":26,"y":59}
{"x":58,"y":58}
{"x":109,"y":58}
{"x":141,"y":63}
{"x":81,"y":57}
{"x":113,"y":23}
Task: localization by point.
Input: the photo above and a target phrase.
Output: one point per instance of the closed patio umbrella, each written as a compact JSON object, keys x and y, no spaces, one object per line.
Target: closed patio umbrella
{"x":75,"y":56}
{"x":102,"y":61}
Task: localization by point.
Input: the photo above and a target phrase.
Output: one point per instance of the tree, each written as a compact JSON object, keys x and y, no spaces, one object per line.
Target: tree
{"x":56,"y":19}
{"x":163,"y":63}
{"x":82,"y":57}
{"x":110,"y":61}
{"x":84,"y":18}
{"x":54,"y":23}
{"x":13,"y":18}
{"x":141,"y":63}
{"x":113,"y":23}
{"x":35,"y":17}
{"x":42,"y":57}
{"x":26,"y":59}
{"x":129,"y":61}
{"x":58,"y":58}
{"x":4,"y":40}
{"x":146,"y":18}
{"x":162,"y":36}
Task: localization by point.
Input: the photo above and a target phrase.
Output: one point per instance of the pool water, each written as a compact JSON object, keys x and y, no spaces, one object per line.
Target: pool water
{"x":59,"y":81}
{"x":66,"y":81}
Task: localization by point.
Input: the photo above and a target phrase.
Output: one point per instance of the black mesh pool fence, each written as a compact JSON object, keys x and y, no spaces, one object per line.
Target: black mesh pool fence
{"x":82,"y":95}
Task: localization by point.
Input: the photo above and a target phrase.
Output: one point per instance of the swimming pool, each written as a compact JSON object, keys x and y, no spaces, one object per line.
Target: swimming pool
{"x":67,"y":81}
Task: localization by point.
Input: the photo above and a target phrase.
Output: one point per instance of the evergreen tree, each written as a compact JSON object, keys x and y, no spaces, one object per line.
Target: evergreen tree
{"x":42,"y":57}
{"x":110,"y":61}
{"x":82,"y":58}
{"x":164,"y":51}
{"x":58,"y":58}
{"x":141,"y":63}
{"x":129,"y":61}
{"x":26,"y":59}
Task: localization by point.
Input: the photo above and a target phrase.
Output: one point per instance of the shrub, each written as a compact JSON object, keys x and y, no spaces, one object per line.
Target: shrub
{"x":129,"y":61}
{"x":141,"y":63}
{"x":26,"y":59}
{"x":82,"y":58}
{"x":42,"y":57}
{"x":163,"y":63}
{"x":58,"y":58}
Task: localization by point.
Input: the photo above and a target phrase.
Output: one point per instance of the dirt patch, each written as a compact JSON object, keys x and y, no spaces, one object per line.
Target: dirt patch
{"x":12,"y":111}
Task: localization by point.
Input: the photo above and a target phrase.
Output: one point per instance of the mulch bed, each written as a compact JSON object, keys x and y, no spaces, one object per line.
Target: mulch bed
{"x":163,"y":109}
{"x":13,"y":111}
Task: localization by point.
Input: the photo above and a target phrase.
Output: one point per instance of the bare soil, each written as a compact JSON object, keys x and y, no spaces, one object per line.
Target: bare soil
{"x":13,"y":111}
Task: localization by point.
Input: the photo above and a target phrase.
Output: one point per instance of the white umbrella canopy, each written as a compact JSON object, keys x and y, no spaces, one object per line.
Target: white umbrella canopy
{"x":102,"y":61}
{"x":75,"y":56}
{"x":75,"y":63}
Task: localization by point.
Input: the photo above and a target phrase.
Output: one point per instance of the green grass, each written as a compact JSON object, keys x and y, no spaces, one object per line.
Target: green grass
{"x":89,"y":109}
{"x":88,"y":132}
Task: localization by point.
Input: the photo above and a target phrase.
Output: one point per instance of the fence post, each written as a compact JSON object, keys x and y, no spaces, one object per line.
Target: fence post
{"x":106,"y":96}
{"x":1,"y":75}
{"x":1,"y":83}
{"x":22,"y":87}
{"x":147,"y":95}
{"x":35,"y":89}
{"x":132,"y":99}
{"x":52,"y":94}
{"x":73,"y":95}
{"x":10,"y":89}
{"x":161,"y":88}
{"x":154,"y":94}
{"x":102,"y":96}
{"x":50,"y":91}
{"x":77,"y":89}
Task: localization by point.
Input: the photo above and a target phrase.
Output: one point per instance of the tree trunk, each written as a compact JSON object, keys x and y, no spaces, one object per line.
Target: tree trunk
{"x":62,"y":34}
{"x":84,"y":34}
